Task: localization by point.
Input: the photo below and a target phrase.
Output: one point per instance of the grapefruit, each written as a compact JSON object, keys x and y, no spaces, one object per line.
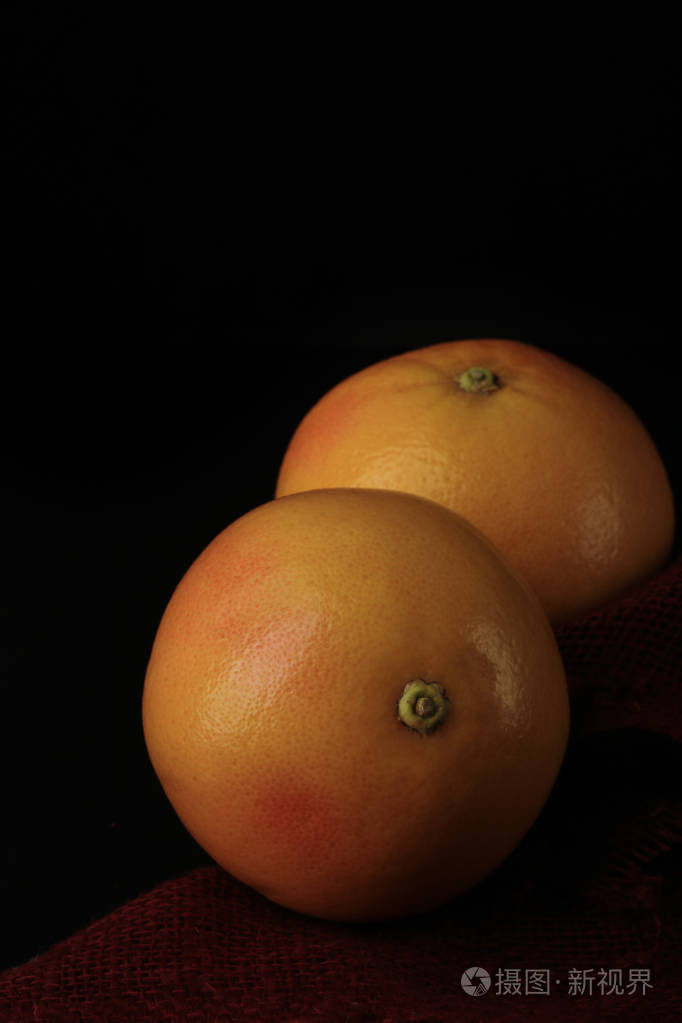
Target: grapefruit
{"x":354,"y":705}
{"x":550,"y":463}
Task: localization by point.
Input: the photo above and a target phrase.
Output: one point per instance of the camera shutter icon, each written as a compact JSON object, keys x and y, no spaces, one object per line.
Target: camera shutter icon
{"x":475,"y":981}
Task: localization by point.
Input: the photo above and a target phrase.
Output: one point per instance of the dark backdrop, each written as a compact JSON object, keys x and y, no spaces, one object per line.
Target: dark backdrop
{"x":195,"y":258}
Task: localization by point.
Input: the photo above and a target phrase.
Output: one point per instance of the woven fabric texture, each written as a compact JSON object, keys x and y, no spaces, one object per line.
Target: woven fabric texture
{"x":584,"y":921}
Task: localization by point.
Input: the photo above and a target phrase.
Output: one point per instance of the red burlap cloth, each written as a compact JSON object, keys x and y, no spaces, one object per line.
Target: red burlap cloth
{"x":595,"y":887}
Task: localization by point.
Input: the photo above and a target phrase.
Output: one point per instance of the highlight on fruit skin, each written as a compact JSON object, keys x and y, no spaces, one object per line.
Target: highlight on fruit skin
{"x":271,"y":703}
{"x":547,"y":461}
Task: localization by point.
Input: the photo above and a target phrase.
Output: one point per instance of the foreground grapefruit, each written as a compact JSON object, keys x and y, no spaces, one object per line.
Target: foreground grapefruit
{"x":354,"y":705}
{"x":552,"y":465}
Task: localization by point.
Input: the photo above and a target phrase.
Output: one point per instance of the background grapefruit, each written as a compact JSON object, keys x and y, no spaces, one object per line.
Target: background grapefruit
{"x":551,"y":464}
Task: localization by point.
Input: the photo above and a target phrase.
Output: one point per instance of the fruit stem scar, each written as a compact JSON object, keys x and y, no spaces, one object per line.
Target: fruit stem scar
{"x":423,"y":706}
{"x":478,"y":380}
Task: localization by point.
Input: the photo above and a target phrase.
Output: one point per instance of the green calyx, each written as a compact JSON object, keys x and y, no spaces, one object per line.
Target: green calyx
{"x":478,"y":380}
{"x":423,"y":706}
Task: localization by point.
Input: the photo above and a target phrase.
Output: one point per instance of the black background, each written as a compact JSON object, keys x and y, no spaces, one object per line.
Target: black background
{"x":199,"y":249}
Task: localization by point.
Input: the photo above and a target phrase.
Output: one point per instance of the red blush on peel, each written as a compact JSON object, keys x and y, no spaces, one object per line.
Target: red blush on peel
{"x":301,"y":820}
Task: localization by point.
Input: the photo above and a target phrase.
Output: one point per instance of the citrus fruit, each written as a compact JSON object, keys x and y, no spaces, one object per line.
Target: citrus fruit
{"x":353,"y":704}
{"x":547,"y":461}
